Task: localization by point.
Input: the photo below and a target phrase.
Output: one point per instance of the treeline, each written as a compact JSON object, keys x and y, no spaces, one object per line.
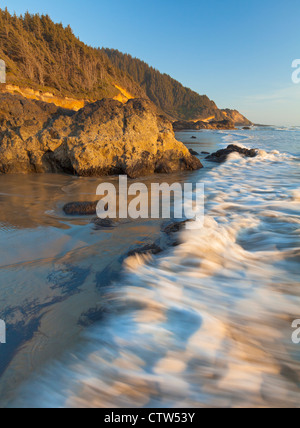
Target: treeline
{"x":168,"y":94}
{"x":42,"y":54}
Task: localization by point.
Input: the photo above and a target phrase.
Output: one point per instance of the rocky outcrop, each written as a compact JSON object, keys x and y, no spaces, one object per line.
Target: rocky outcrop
{"x":232,"y":118}
{"x":47,"y":97}
{"x":236,"y":117}
{"x":65,"y":102}
{"x":103,"y":138}
{"x":221,"y":124}
{"x":221,"y":155}
{"x":196,"y":126}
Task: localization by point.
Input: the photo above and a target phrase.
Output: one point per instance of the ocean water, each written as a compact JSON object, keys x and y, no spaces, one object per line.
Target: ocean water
{"x":204,"y":324}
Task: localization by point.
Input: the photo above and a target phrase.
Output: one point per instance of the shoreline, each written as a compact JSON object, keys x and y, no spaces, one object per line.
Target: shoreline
{"x":113,"y":269}
{"x":110,"y":272}
{"x":101,"y":299}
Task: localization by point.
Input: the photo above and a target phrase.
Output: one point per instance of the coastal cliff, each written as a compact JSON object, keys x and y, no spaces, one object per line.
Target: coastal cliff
{"x":170,"y":96}
{"x":47,"y":62}
{"x":236,"y":117}
{"x":182,"y":125}
{"x":103,"y":138}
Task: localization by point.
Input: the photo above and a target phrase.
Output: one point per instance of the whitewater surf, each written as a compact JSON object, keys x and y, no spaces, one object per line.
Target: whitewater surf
{"x":209,"y":322}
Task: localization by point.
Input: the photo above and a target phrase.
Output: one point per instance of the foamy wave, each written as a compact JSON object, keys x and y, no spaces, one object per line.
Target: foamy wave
{"x":296,"y":195}
{"x":249,"y":141}
{"x":195,"y":327}
{"x":233,"y":138}
{"x":286,"y":128}
{"x":209,"y":322}
{"x":262,"y":155}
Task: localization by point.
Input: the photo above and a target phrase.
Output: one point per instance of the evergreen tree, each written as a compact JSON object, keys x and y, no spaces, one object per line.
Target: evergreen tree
{"x":43,"y":55}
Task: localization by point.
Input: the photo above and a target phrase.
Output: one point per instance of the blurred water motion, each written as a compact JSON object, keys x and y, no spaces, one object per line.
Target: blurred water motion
{"x":207,"y":323}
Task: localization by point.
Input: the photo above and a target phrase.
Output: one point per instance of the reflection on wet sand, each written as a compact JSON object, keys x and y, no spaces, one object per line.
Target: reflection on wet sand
{"x":204,"y":323}
{"x":54,"y":268}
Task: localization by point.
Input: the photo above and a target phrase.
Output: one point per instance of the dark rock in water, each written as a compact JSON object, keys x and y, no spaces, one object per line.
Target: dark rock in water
{"x":147,"y":249}
{"x":205,"y":153}
{"x":221,"y":155}
{"x":92,"y":316}
{"x":246,"y":128}
{"x":172,"y":230}
{"x":80,"y":208}
{"x":106,"y":223}
{"x":174,"y":227}
{"x":193,"y":152}
{"x":193,"y":138}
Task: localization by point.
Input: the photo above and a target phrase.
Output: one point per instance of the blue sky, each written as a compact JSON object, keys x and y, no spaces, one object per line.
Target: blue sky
{"x":238,"y":52}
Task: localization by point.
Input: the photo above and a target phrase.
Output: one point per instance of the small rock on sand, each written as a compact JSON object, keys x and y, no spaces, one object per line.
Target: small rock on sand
{"x":80,"y":208}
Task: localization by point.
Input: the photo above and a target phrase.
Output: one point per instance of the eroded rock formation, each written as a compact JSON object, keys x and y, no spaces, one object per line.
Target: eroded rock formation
{"x":103,"y":138}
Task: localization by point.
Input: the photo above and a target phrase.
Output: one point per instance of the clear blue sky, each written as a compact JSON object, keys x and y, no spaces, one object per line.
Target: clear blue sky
{"x":237,"y":52}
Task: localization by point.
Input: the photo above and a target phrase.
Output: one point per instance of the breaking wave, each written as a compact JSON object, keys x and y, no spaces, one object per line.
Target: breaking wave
{"x":208,"y":323}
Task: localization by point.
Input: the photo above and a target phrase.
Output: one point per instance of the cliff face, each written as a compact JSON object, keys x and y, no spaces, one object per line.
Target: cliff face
{"x":65,"y":102}
{"x":47,"y":97}
{"x":236,"y":117}
{"x":106,"y":137}
{"x":170,"y":96}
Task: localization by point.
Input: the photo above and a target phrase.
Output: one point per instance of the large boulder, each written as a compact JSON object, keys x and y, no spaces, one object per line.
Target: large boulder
{"x":104,"y":138}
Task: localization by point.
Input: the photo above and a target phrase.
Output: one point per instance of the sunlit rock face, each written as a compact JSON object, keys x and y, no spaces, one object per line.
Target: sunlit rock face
{"x":103,"y":138}
{"x":47,"y":97}
{"x":236,"y":117}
